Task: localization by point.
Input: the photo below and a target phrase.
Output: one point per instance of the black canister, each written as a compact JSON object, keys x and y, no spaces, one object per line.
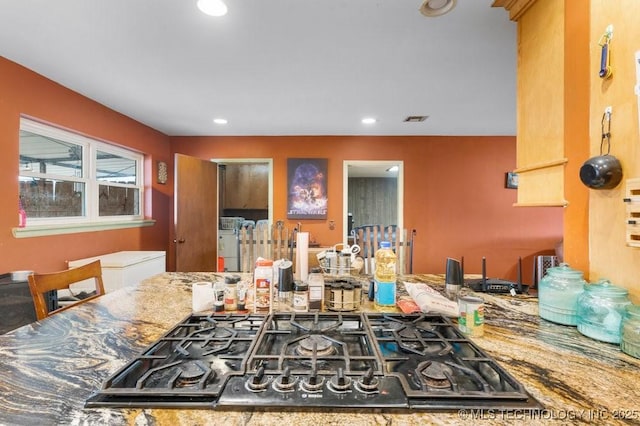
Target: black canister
{"x":601,"y":172}
{"x":285,"y":283}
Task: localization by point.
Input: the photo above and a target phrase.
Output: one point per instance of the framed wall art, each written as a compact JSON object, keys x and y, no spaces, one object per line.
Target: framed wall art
{"x":307,"y":188}
{"x":162,"y":172}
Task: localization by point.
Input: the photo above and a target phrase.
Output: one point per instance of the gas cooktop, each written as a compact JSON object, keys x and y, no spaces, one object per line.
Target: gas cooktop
{"x":314,"y":361}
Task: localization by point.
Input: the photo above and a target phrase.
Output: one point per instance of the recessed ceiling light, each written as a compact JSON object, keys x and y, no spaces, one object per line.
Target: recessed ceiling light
{"x":212,"y":7}
{"x":368,"y":120}
{"x":220,"y":121}
{"x":433,"y":8}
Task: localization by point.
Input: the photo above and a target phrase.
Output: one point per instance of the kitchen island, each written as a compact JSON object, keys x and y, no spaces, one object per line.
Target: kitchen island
{"x":49,"y":368}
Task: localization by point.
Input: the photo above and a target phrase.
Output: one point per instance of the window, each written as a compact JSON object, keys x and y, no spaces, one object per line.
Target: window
{"x":69,"y":178}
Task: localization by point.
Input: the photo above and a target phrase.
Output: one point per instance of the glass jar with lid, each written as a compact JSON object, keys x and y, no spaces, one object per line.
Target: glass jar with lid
{"x":316,"y":289}
{"x":300,"y":296}
{"x":558,"y":293}
{"x":231,"y":292}
{"x":600,"y":311}
{"x":630,"y":331}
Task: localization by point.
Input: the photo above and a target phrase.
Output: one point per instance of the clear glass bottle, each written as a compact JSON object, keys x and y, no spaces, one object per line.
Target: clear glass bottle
{"x":335,"y":300}
{"x":600,"y":311}
{"x":348,"y":298}
{"x":385,"y":278}
{"x":231,"y":292}
{"x":242,"y":296}
{"x":316,"y":289}
{"x":630,"y":330}
{"x":218,"y":296}
{"x":285,"y":281}
{"x":344,"y":262}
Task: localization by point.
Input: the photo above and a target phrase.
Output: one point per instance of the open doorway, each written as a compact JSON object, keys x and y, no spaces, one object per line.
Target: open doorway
{"x":373,"y":194}
{"x":245,"y":196}
{"x":245,"y":188}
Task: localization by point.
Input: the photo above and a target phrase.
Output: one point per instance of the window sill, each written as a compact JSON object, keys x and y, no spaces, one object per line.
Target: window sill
{"x":46,"y":230}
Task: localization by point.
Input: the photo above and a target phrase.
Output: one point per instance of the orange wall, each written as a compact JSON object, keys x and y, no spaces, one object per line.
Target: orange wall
{"x":24,"y":92}
{"x":453,"y":186}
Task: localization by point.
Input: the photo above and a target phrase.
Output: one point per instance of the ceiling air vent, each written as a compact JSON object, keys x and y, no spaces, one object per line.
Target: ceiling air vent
{"x":415,"y":118}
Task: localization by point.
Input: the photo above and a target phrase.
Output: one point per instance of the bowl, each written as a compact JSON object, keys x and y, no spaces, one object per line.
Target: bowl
{"x":601,"y":172}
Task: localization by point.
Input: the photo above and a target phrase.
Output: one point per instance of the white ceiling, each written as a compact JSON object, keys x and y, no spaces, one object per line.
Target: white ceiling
{"x":277,"y":67}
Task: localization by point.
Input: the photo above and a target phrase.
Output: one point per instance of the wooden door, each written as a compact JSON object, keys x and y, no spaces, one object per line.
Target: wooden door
{"x":196,"y":214}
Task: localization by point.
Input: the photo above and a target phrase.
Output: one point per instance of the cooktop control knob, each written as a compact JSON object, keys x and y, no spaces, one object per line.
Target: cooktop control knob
{"x":258,"y":382}
{"x":313,"y":383}
{"x":284,"y":383}
{"x":339,"y":382}
{"x":368,"y":382}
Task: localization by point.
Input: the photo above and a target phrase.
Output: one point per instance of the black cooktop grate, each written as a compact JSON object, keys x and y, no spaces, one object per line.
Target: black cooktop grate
{"x":314,"y":361}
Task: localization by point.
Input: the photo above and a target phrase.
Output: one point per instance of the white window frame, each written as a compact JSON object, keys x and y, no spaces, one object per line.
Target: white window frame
{"x":90,"y":221}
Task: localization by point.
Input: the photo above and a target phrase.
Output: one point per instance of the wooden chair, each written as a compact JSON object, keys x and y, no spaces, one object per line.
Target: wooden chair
{"x":280,"y":241}
{"x":42,"y":283}
{"x":403,"y":244}
{"x":368,"y":237}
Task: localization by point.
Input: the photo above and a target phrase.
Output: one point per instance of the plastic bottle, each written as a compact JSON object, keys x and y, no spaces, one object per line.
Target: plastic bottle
{"x":218,"y":298}
{"x":22,"y":215}
{"x":385,"y":278}
{"x":263,"y":277}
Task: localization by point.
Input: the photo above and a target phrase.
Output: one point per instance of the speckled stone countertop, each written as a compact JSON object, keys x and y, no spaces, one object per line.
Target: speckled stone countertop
{"x":49,"y":368}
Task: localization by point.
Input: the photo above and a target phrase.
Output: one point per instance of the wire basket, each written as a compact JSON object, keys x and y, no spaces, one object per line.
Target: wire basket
{"x":335,"y":262}
{"x":230,"y":222}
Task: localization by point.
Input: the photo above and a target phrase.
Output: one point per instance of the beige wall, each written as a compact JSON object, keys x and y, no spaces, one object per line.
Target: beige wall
{"x":594,"y":220}
{"x":609,"y":256}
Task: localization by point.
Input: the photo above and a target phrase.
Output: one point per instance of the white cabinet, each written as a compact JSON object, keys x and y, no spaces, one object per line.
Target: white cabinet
{"x":125,"y":268}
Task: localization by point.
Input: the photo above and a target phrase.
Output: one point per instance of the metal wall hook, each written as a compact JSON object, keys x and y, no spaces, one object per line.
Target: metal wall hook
{"x":606,"y":131}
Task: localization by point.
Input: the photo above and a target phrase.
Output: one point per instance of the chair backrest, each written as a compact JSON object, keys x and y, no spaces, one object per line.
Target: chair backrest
{"x":280,"y":241}
{"x":269,"y":242}
{"x":368,"y":237}
{"x":42,"y":283}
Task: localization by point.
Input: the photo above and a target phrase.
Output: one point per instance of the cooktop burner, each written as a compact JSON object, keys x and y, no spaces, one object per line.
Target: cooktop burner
{"x":314,"y":361}
{"x":315,"y":344}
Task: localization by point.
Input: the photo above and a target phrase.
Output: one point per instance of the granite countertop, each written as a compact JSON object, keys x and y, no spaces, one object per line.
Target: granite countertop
{"x":49,"y":368}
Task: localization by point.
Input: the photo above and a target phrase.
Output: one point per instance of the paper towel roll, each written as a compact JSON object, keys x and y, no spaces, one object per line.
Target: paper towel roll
{"x":202,"y":296}
{"x":302,"y":256}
